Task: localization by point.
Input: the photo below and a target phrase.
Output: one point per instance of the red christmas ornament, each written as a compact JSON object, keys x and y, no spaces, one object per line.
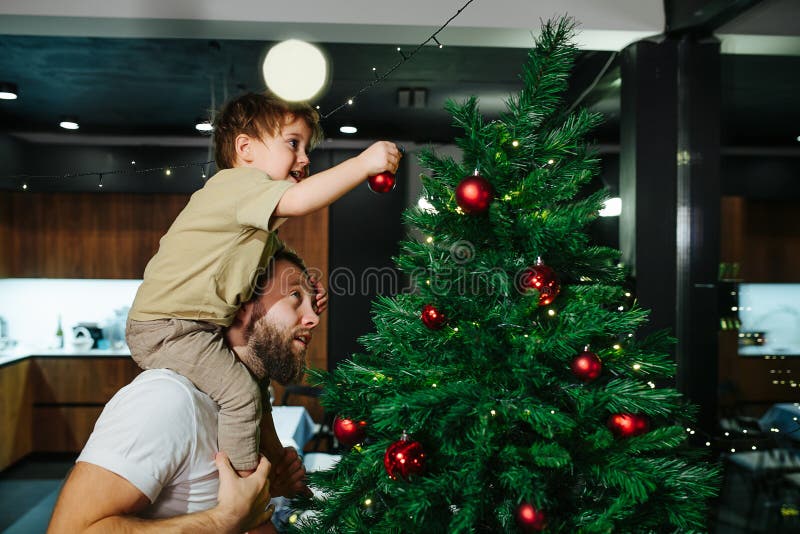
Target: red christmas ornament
{"x":349,"y":432}
{"x":587,"y":366}
{"x":530,"y":519}
{"x":404,"y":458}
{"x":543,"y":279}
{"x":382,"y":182}
{"x":433,"y":318}
{"x":627,"y":425}
{"x":474,"y":194}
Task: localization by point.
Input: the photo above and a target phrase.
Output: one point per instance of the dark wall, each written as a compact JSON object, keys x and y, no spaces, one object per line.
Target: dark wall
{"x":10,"y":156}
{"x":761,"y":176}
{"x":47,"y":164}
{"x":365,"y":229}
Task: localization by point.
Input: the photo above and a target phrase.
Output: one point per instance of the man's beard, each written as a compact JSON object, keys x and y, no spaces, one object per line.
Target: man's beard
{"x":271,"y":353}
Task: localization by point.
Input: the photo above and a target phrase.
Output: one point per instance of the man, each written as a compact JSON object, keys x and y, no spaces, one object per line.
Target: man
{"x":151,"y":463}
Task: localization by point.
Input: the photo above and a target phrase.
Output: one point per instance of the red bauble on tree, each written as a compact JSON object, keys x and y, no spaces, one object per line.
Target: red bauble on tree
{"x":626,"y":425}
{"x":543,"y":279}
{"x":404,"y":458}
{"x":530,"y":519}
{"x":433,"y":318}
{"x":474,"y":194}
{"x":349,"y":432}
{"x":382,"y":182}
{"x":587,"y":366}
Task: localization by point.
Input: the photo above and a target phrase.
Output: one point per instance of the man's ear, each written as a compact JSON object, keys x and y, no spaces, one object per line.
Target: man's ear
{"x":242,"y":144}
{"x":243,"y":313}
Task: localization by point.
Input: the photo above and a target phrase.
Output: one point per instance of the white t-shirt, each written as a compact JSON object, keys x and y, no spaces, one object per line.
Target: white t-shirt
{"x":160,"y":433}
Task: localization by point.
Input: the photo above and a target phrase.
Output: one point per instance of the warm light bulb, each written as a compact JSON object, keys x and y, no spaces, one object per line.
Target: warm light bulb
{"x":285,"y":79}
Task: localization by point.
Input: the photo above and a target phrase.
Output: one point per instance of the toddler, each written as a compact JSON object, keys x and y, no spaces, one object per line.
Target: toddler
{"x":209,"y":259}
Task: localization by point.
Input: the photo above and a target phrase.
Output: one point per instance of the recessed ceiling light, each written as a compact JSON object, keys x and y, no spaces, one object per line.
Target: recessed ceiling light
{"x":203,"y":125}
{"x":8,"y":91}
{"x":798,"y":138}
{"x":283,"y":76}
{"x":348,"y":129}
{"x":69,"y":123}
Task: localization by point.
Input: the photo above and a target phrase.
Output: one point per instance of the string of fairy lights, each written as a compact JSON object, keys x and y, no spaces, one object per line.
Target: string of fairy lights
{"x":167,"y":170}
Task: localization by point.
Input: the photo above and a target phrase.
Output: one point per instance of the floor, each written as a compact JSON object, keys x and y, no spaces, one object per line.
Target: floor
{"x":28,"y":491}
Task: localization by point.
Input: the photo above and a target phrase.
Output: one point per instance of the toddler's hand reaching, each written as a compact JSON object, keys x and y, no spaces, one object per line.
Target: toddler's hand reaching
{"x":380,"y":157}
{"x":320,"y":295}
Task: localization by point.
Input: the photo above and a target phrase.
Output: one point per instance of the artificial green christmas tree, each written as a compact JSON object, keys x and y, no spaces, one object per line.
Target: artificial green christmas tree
{"x":509,"y":392}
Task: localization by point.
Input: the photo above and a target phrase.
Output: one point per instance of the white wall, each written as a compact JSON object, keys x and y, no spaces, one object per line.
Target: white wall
{"x":31,"y":306}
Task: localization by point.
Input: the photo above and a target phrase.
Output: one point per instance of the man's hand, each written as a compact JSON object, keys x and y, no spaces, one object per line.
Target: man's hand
{"x":287,"y":477}
{"x":320,"y":295}
{"x":242,"y":501}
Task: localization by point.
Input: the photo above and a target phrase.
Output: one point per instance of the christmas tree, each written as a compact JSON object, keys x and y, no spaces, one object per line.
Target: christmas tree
{"x":509,"y":392}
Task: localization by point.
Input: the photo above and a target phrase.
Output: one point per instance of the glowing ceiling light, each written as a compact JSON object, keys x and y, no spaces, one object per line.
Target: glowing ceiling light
{"x":295,"y":70}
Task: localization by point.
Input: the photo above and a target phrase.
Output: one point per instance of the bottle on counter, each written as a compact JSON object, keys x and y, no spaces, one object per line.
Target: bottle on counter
{"x":59,"y":335}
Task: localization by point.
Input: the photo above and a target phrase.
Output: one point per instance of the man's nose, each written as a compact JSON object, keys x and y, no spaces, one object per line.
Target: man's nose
{"x":309,"y":318}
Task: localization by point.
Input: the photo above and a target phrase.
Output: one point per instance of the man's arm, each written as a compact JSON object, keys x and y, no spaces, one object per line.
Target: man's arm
{"x":324,"y":188}
{"x":95,"y":500}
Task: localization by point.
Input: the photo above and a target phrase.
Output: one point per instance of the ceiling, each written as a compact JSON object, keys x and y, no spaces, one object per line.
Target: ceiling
{"x":153,"y":84}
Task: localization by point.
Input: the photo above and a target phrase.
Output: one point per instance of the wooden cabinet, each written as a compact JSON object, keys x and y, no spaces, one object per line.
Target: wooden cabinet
{"x":83,"y":235}
{"x":51,"y":404}
{"x":68,"y":395}
{"x":16,"y":411}
{"x":76,"y":381}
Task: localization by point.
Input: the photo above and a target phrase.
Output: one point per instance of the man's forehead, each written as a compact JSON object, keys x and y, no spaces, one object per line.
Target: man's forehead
{"x":288,"y":275}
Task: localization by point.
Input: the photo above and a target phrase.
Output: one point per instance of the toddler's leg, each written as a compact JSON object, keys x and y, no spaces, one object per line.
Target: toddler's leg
{"x":198,"y":351}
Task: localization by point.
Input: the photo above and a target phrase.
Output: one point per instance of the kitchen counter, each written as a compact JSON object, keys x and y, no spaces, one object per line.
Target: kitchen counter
{"x":17,"y":354}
